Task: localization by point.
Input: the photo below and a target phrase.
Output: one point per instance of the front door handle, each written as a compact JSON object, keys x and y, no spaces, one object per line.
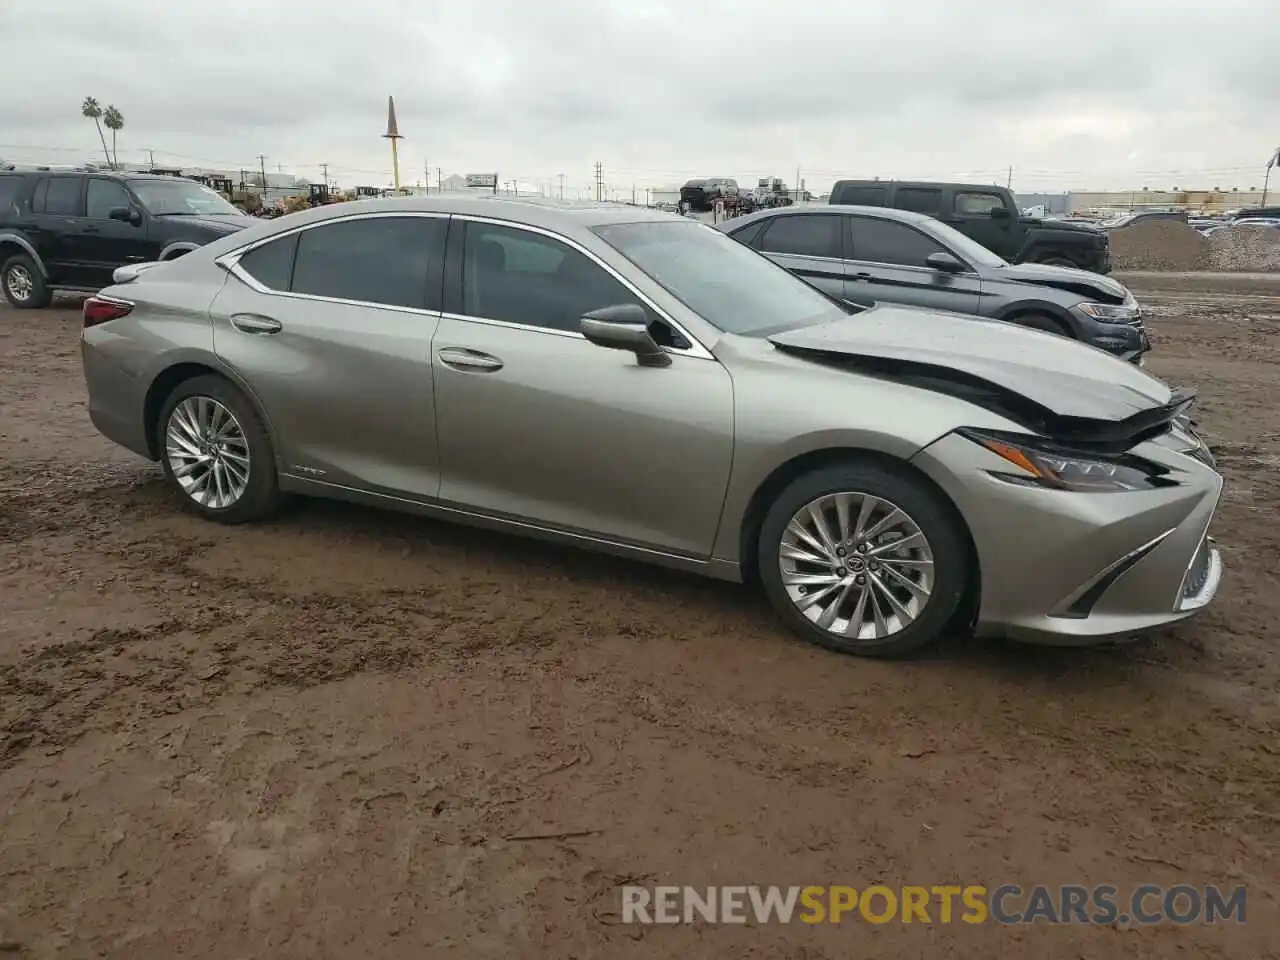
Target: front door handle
{"x":461,"y":359}
{"x":252,"y":323}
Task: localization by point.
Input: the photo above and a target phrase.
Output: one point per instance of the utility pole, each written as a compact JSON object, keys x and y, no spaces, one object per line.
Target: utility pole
{"x":599,"y":170}
{"x":152,"y":155}
{"x":633,"y":194}
{"x":1009,"y":182}
{"x":797,"y":199}
{"x":262,"y":168}
{"x":324,"y":172}
{"x":439,"y":181}
{"x":561,"y":176}
{"x":426,"y":172}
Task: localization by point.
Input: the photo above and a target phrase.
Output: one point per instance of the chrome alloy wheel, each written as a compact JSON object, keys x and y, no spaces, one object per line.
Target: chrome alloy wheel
{"x":208,"y":453}
{"x":19,"y":283}
{"x":856,"y":566}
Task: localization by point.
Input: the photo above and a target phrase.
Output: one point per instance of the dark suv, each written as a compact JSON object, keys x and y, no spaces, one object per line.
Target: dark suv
{"x":990,"y":215}
{"x":70,"y":231}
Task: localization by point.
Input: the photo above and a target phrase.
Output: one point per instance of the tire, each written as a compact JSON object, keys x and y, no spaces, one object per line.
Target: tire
{"x":1045,"y":323}
{"x":245,"y":464}
{"x":1057,"y":262}
{"x":945,"y":543}
{"x":23,"y":284}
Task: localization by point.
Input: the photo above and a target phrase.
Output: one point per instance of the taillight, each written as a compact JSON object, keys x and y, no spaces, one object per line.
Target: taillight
{"x":99,"y":310}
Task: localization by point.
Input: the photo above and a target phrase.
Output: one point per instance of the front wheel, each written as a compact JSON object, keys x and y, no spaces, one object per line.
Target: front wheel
{"x":865,"y":560}
{"x":216,"y":452}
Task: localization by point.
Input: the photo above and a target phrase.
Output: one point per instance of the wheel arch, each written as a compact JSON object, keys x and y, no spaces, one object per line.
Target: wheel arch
{"x":1026,"y":308}
{"x":12,"y":244}
{"x":178,"y":373}
{"x":177,"y":249}
{"x":773,"y":484}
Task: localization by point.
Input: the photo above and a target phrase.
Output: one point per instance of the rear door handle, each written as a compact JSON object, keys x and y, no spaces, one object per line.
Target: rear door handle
{"x":252,"y":323}
{"x":461,"y":359}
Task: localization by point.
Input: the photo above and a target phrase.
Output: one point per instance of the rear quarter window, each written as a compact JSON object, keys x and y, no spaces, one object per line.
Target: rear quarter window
{"x":10,"y":189}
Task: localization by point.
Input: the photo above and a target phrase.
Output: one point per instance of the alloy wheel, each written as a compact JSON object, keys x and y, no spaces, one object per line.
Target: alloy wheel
{"x":856,"y":565}
{"x":19,"y":282}
{"x":208,"y":452}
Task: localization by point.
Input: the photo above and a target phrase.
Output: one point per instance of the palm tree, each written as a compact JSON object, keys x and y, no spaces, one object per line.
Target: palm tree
{"x":113,"y":119}
{"x":91,"y":110}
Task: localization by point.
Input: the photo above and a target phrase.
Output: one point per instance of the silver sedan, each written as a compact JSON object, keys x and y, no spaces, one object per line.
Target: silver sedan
{"x":638,"y":383}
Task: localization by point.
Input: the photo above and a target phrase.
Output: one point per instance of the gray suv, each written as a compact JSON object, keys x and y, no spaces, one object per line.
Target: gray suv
{"x":868,"y":255}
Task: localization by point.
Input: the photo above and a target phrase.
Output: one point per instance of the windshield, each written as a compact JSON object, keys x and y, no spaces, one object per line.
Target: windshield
{"x":180,"y":198}
{"x":966,"y":247}
{"x":729,"y":285}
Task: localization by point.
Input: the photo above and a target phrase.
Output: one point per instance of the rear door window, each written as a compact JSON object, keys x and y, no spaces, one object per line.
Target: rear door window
{"x":382,"y":260}
{"x":919,"y":200}
{"x":64,"y":197}
{"x":804,"y":235}
{"x":864,"y":196}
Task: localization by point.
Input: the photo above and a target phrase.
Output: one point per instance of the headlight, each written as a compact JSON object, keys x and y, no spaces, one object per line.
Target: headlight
{"x":1042,"y":463}
{"x":1110,"y":313}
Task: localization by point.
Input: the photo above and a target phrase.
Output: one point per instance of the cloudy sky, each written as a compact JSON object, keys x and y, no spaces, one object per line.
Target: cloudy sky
{"x":1092,"y":93}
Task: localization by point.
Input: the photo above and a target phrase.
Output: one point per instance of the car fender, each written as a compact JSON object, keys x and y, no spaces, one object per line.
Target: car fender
{"x":1036,"y":305}
{"x":31,"y":251}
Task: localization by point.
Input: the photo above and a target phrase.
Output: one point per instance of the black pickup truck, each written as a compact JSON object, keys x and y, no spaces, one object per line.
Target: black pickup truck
{"x":989,"y":215}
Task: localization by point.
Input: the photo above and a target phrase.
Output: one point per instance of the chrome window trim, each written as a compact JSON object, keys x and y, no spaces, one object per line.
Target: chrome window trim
{"x":803,"y":256}
{"x":230,"y":261}
{"x":696,"y":348}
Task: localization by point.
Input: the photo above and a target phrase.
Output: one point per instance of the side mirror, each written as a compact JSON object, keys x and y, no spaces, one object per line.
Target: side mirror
{"x":625,"y":327}
{"x":1001,"y":213}
{"x":125,"y":215}
{"x":944,"y":262}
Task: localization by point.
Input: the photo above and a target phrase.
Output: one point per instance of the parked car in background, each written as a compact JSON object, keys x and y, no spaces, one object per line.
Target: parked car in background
{"x":1255,"y":222}
{"x":870,"y":255}
{"x":991,"y":216}
{"x":701,"y":195}
{"x":71,"y":230}
{"x":1143,"y":216}
{"x":1267,"y":213}
{"x":638,"y":383}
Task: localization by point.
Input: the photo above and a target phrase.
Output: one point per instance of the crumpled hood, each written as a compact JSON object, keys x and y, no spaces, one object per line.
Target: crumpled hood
{"x":1067,"y":378}
{"x":1067,"y":278}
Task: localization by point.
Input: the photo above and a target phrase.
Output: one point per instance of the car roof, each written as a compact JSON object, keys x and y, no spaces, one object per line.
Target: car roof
{"x":879,"y":213}
{"x":928,"y":184}
{"x":555,"y":215}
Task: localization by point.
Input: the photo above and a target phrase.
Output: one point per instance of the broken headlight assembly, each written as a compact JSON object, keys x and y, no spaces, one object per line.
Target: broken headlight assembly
{"x":1035,"y":461}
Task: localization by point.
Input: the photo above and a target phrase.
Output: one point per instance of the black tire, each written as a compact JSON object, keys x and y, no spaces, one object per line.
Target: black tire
{"x":261,"y":496}
{"x":22,"y":266}
{"x":930,"y":512}
{"x":1045,"y":323}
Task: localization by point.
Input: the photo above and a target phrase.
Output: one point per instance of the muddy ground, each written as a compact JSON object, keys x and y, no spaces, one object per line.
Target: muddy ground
{"x":349,"y":733}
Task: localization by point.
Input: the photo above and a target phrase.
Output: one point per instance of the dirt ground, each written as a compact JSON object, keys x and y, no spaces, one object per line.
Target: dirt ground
{"x":349,"y":733}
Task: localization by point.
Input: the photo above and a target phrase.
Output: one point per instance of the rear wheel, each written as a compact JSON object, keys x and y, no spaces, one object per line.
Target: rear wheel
{"x":862,"y":559}
{"x":216,"y":452}
{"x":24,"y":285}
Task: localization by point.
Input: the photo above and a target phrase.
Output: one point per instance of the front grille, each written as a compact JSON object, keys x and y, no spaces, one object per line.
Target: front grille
{"x":1198,"y":573}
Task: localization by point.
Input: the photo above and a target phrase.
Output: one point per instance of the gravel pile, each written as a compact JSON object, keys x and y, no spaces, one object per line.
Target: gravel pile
{"x":1245,"y":249}
{"x":1160,"y":245}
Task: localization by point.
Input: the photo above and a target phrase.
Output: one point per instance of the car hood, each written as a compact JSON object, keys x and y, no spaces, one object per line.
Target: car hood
{"x":1044,"y":375}
{"x":216,"y":222}
{"x":1066,"y":278}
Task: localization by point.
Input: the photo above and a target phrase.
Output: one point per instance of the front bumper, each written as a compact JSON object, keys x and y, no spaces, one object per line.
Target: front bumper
{"x":1128,"y":341}
{"x":1070,"y":568}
